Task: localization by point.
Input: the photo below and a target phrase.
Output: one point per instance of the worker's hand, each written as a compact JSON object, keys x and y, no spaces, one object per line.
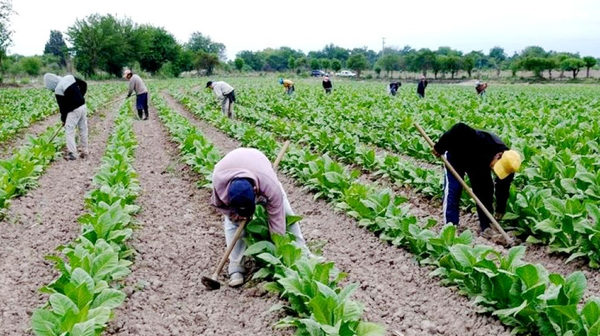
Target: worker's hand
{"x":435,"y":153}
{"x":129,"y":95}
{"x":498,"y":216}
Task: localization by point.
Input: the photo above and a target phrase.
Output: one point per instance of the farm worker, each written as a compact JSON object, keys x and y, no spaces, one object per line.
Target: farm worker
{"x":421,"y":87}
{"x":288,"y":85}
{"x":70,"y":92}
{"x":141,"y":93}
{"x":480,"y":88}
{"x":225,"y":93}
{"x":394,"y":87}
{"x":327,"y":85}
{"x":474,"y":152}
{"x":241,"y":179}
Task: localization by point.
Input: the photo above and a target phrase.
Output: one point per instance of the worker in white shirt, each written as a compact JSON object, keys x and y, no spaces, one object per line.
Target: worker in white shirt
{"x":226,"y":94}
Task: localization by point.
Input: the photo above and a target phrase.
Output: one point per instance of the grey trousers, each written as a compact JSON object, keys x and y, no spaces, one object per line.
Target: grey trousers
{"x":227,"y":108}
{"x":235,"y":258}
{"x":77,"y":119}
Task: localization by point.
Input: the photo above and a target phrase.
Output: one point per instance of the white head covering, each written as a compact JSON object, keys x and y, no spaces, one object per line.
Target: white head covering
{"x":51,"y":81}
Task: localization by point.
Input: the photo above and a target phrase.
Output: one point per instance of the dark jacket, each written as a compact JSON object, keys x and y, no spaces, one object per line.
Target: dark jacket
{"x":472,"y":152}
{"x":72,"y":98}
{"x":421,"y":87}
{"x":327,"y":84}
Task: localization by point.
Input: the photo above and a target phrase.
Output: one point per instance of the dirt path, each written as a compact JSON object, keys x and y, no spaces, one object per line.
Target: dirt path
{"x":395,"y":290}
{"x":39,"y":222}
{"x":179,"y":241}
{"x":7,"y":147}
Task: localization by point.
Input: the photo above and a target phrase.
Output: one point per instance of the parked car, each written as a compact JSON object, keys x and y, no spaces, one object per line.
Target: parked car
{"x":318,"y":73}
{"x":346,"y":73}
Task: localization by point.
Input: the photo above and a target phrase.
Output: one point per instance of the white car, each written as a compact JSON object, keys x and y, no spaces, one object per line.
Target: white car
{"x":346,"y":73}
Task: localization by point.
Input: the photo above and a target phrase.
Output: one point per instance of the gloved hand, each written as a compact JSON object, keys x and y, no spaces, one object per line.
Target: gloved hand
{"x":435,"y":153}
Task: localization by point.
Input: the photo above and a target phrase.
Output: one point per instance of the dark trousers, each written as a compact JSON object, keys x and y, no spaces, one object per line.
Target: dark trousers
{"x":141,"y":104}
{"x":481,"y":184}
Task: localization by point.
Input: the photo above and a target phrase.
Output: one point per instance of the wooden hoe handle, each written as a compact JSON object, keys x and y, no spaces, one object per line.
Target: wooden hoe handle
{"x":467,"y":188}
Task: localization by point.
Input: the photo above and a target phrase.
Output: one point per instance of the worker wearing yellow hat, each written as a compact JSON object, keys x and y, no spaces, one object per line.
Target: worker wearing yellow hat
{"x":475,"y":152}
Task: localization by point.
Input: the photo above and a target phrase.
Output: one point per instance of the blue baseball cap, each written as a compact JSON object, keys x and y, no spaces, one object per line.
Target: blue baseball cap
{"x":241,"y":197}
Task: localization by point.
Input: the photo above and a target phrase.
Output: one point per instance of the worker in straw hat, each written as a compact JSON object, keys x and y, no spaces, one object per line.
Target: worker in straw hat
{"x":475,"y":152}
{"x":141,"y":93}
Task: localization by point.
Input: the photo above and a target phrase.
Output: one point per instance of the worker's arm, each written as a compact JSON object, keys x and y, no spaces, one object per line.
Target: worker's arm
{"x":131,"y":87}
{"x":502,"y":193}
{"x":275,"y":210}
{"x":82,"y":86}
{"x":452,"y":136}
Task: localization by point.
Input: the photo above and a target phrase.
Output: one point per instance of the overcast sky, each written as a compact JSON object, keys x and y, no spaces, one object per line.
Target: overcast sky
{"x":311,"y":24}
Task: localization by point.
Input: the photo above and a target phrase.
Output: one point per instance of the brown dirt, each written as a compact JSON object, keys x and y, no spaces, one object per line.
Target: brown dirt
{"x":180,"y":240}
{"x":40,"y":221}
{"x":395,"y":290}
{"x":8,"y":147}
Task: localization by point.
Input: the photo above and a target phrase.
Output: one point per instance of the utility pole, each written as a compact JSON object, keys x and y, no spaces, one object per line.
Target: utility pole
{"x":382,"y":46}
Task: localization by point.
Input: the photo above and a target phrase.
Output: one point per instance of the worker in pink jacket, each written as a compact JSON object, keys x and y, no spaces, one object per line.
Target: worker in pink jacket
{"x":243,"y":178}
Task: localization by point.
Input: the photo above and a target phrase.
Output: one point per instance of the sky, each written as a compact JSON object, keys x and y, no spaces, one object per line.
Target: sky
{"x":466,"y":25}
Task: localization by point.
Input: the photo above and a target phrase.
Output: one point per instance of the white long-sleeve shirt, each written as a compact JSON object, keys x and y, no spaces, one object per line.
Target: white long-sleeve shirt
{"x":221,"y":89}
{"x":136,"y":84}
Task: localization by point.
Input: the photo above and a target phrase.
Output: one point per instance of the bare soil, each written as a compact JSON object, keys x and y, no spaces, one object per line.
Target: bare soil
{"x":395,"y":290}
{"x":181,"y":239}
{"x":40,"y":221}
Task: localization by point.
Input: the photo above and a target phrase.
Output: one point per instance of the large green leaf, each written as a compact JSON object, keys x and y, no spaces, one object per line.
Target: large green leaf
{"x":370,"y":329}
{"x":45,"y":323}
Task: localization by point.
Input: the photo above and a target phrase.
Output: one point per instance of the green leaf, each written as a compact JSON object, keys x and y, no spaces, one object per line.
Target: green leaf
{"x":510,"y":311}
{"x":370,"y":329}
{"x":45,"y":323}
{"x":61,"y":304}
{"x":322,"y":308}
{"x":86,"y":328}
{"x":260,"y":246}
{"x":575,"y":287}
{"x":591,"y":311}
{"x":104,"y":264}
{"x":463,"y":255}
{"x":109,"y":298}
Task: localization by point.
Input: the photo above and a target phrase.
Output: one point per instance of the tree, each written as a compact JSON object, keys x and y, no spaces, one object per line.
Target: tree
{"x":5,"y":33}
{"x":252,"y":59}
{"x":423,"y":61}
{"x":551,"y":64}
{"x":332,"y":51}
{"x":468,"y":62}
{"x":336,"y":65}
{"x":572,"y":64}
{"x":206,"y":61}
{"x":589,"y":63}
{"x":497,"y":57}
{"x":154,"y":47}
{"x":389,"y":63}
{"x":377,"y":70}
{"x":453,"y":64}
{"x":56,"y":46}
{"x":31,"y":65}
{"x":315,"y":64}
{"x":102,"y":42}
{"x":184,"y":61}
{"x":535,"y":64}
{"x":199,"y":42}
{"x":534,"y":51}
{"x":357,"y":62}
{"x":239,"y":63}
{"x":292,"y":63}
{"x":325,"y":63}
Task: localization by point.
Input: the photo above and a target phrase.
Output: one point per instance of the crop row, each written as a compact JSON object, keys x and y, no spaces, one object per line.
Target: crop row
{"x":320,"y":305}
{"x":83,"y":296}
{"x":21,"y":171}
{"x":522,"y":295}
{"x":21,"y":107}
{"x":556,"y":198}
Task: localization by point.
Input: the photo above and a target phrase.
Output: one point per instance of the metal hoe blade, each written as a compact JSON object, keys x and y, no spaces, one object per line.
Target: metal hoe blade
{"x":210,"y":283}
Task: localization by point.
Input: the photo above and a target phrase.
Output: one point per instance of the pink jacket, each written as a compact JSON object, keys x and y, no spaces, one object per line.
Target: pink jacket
{"x":252,"y":164}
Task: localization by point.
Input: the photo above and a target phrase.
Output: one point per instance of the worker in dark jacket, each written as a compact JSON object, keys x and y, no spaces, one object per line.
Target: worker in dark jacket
{"x":474,"y":152}
{"x":394,"y":87}
{"x":480,"y":88}
{"x":327,"y":85}
{"x":70,"y":92}
{"x":421,"y":87}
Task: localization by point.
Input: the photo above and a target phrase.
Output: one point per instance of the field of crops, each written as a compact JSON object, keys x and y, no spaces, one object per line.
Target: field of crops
{"x":116,"y":244}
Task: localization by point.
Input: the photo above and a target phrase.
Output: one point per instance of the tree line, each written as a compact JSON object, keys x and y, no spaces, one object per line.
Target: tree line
{"x":102,"y":45}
